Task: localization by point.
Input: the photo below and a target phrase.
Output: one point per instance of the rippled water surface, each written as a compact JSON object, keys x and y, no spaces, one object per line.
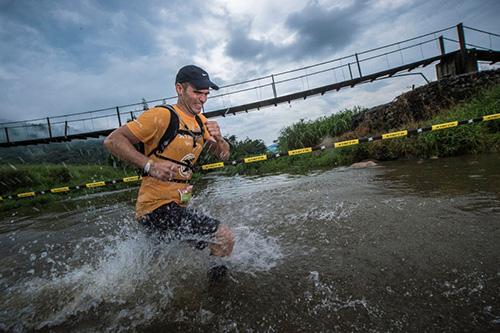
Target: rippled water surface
{"x":404,"y":246}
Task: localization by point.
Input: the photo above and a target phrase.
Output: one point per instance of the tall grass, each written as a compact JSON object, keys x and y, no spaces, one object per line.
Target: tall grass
{"x":311,"y":133}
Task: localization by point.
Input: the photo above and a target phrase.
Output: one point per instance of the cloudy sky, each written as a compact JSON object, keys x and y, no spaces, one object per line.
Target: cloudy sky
{"x":60,"y":57}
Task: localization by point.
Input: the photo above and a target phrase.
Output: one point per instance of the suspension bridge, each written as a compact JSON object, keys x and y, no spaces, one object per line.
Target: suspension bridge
{"x":446,"y":47}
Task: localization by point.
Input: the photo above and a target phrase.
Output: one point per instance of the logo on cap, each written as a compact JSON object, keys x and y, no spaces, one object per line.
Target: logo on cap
{"x":196,"y":76}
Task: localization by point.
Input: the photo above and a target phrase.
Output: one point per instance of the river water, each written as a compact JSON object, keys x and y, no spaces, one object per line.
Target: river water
{"x":403,"y":246}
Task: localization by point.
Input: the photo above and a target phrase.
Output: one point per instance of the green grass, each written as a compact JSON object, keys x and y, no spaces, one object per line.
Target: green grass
{"x":16,"y":179}
{"x":35,"y":177}
{"x":466,"y":139}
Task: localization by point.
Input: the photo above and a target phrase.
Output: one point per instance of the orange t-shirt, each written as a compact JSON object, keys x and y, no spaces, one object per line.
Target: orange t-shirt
{"x":149,"y":127}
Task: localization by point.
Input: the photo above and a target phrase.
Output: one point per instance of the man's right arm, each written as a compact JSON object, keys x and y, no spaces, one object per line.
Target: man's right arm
{"x":121,"y":142}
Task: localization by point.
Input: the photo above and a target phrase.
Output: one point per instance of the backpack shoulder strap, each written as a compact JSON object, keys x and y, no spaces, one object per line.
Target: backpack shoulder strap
{"x":170,"y":132}
{"x":200,"y":123}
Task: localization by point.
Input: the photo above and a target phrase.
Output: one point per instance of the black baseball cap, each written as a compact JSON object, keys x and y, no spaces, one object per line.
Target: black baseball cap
{"x":196,"y":76}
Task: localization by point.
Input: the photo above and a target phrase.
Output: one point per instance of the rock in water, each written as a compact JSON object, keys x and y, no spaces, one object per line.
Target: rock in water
{"x":364,"y":164}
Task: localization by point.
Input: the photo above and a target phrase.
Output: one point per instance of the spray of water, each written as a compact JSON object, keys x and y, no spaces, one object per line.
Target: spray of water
{"x":121,"y":276}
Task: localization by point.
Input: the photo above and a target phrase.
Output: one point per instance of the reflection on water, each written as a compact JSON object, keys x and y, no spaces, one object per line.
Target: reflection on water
{"x":404,"y":246}
{"x":462,"y":175}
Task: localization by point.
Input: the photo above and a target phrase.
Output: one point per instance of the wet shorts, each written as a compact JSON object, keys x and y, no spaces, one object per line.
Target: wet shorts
{"x":172,"y":221}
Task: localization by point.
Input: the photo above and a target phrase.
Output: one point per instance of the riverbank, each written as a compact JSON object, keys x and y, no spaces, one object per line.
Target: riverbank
{"x":26,"y":178}
{"x":22,"y":178}
{"x":472,"y":139}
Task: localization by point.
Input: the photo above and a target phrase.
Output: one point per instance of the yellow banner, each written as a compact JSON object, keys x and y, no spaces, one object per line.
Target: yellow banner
{"x":130,"y":179}
{"x":60,"y":189}
{"x":212,"y":166}
{"x":444,"y":125}
{"x":95,"y":184}
{"x":255,"y":158}
{"x":491,"y":117}
{"x":393,"y":135}
{"x":346,"y":143}
{"x":300,"y":151}
{"x":26,"y":194}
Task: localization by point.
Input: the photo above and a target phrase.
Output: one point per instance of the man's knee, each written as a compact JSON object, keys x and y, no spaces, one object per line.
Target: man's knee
{"x":224,"y":242}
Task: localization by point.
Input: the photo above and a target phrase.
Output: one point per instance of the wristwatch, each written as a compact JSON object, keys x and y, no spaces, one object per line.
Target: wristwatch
{"x":147,"y":167}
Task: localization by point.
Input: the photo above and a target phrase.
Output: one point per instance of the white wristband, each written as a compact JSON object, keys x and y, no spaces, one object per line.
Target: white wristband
{"x":147,"y":167}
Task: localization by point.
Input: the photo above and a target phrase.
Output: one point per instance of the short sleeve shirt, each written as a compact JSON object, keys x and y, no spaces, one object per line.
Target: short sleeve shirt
{"x":149,"y":128}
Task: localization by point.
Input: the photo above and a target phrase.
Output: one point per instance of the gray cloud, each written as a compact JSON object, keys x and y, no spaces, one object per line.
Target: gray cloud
{"x":320,"y":31}
{"x":317,"y":31}
{"x":88,"y":32}
{"x":66,"y":57}
{"x":242,"y":47}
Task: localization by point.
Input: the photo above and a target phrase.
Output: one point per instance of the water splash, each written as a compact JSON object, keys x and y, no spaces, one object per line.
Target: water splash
{"x":124,"y":271}
{"x":120,"y":276}
{"x":254,"y":252}
{"x":323,"y":300}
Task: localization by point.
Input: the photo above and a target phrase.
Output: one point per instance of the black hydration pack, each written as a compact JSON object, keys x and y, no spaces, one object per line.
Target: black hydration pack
{"x":170,"y":133}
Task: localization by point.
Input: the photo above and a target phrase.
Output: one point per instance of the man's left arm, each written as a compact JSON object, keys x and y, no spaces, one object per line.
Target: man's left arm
{"x":216,"y":143}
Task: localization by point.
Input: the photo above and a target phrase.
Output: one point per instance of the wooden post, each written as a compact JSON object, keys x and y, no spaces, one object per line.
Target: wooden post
{"x":7,"y":134}
{"x":441,"y":45}
{"x":461,"y":62}
{"x":461,"y":39}
{"x":274,"y":87}
{"x":118,"y":115}
{"x":49,"y":128}
{"x":463,"y":49}
{"x":468,"y":60}
{"x":66,"y":128}
{"x":359,"y":67}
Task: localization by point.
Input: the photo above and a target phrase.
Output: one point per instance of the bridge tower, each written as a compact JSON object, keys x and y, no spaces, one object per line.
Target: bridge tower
{"x":458,"y":63}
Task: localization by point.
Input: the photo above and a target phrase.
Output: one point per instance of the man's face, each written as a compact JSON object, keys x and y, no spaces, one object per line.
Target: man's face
{"x":191,"y":98}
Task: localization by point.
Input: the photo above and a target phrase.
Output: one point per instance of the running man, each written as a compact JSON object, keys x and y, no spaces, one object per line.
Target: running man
{"x":173,"y":138}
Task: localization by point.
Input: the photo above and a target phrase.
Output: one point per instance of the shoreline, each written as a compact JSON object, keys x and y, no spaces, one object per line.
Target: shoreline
{"x":477,"y":138}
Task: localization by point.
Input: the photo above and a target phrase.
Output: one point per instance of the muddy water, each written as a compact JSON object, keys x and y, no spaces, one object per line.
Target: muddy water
{"x":404,"y":246}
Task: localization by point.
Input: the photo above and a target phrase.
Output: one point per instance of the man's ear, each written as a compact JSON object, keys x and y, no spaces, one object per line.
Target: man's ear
{"x":179,"y":88}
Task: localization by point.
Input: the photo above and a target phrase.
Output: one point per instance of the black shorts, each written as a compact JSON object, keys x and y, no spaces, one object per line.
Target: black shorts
{"x":172,"y":221}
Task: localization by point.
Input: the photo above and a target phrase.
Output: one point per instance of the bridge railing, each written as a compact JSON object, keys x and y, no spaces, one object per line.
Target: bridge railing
{"x":340,"y":69}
